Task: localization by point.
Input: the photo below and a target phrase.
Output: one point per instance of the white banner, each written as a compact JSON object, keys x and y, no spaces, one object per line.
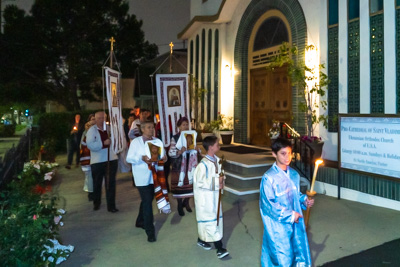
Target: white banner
{"x":173,"y":102}
{"x":113,"y":86}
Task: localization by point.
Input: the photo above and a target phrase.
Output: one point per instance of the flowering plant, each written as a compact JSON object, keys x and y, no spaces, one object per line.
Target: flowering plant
{"x":29,"y":218}
{"x":274,"y":132}
{"x":311,"y":139}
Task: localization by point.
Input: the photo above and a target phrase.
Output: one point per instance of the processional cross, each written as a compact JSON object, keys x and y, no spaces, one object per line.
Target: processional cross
{"x":112,"y":41}
{"x":171,"y":45}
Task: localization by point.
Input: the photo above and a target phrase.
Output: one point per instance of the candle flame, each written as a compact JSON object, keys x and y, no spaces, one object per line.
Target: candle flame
{"x":319,"y":162}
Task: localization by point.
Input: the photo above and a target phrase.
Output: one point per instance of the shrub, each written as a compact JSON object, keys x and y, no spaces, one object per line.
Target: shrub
{"x":7,"y":130}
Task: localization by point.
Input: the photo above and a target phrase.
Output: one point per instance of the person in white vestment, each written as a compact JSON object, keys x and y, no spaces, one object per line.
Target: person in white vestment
{"x":207,"y":181}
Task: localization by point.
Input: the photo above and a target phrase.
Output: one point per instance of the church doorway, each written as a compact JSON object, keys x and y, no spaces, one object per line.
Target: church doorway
{"x":270,"y":99}
{"x":270,"y":94}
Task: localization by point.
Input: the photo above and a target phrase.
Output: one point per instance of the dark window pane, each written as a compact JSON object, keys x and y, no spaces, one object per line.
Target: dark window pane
{"x":272,"y":32}
{"x":333,"y":12}
{"x":354,"y":9}
{"x":376,"y":5}
{"x":397,"y":2}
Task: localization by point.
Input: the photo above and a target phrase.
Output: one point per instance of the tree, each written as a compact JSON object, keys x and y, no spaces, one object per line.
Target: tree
{"x":65,"y":43}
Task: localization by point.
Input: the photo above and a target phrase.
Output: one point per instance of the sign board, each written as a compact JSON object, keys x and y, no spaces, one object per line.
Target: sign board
{"x":370,"y":144}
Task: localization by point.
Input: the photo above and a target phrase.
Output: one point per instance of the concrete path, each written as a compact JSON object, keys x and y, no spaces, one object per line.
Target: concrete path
{"x":337,"y":229}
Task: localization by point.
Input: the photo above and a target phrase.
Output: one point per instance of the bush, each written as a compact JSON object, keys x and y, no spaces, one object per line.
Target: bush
{"x":7,"y":130}
{"x":27,"y":217}
{"x":54,"y":128}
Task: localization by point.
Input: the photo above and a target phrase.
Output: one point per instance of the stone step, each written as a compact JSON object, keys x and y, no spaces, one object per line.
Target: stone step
{"x":234,"y":194}
{"x":246,"y":170}
{"x":243,"y":182}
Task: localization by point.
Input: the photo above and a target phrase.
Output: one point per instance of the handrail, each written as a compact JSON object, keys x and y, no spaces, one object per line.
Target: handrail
{"x":294,"y":132}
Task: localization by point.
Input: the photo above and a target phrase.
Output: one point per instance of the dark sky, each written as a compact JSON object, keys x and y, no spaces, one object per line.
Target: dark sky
{"x":162,"y":19}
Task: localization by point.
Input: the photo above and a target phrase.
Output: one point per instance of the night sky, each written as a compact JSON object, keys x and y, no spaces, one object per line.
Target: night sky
{"x":162,"y":19}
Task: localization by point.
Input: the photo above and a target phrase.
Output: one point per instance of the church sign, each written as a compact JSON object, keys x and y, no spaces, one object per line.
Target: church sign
{"x":370,"y":144}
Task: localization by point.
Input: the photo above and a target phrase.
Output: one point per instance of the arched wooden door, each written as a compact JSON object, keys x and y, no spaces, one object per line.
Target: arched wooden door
{"x":270,"y":99}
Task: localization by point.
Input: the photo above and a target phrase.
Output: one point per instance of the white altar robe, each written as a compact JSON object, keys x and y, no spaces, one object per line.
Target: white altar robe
{"x":206,"y":192}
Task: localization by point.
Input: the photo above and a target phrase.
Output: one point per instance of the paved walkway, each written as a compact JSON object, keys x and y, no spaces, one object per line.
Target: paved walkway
{"x":338,"y":229}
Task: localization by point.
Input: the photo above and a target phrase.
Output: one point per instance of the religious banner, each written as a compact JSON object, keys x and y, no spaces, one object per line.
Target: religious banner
{"x":113,"y":87}
{"x":173,"y":102}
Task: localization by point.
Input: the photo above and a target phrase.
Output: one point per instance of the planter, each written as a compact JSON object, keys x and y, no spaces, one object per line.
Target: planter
{"x":204,"y":135}
{"x":226,"y":137}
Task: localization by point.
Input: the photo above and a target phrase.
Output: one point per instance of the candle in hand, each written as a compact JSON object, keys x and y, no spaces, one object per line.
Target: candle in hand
{"x":317,"y":163}
{"x":75,"y":128}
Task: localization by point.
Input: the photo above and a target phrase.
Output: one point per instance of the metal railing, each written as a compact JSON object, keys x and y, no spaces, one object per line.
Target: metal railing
{"x":304,"y":154}
{"x":14,"y":159}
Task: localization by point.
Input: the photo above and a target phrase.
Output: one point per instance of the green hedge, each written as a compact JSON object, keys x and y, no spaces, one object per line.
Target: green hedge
{"x":7,"y":130}
{"x":54,"y":128}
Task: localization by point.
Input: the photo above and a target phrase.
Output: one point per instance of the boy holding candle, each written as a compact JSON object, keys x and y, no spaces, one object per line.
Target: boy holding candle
{"x":285,"y":240}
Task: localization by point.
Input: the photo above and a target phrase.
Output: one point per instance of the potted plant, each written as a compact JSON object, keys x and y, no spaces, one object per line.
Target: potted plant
{"x":225,"y":128}
{"x":310,"y":86}
{"x":274,"y":131}
{"x":207,"y":129}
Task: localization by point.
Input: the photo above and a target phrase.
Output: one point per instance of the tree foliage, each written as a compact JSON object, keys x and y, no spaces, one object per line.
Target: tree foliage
{"x":57,"y":51}
{"x":311,"y":87}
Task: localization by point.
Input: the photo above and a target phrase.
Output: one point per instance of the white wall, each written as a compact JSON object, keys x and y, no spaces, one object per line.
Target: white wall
{"x":208,"y":8}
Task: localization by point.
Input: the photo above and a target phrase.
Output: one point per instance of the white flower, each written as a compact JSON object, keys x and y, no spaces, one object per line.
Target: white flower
{"x":37,"y":166}
{"x":48,"y":176}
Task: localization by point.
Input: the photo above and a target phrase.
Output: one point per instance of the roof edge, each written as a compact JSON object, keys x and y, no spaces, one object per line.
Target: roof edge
{"x":202,"y":19}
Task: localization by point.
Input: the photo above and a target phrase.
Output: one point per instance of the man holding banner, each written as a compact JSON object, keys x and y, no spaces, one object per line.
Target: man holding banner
{"x":103,"y":162}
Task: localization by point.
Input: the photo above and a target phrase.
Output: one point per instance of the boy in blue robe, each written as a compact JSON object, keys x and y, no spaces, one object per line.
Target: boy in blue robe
{"x":285,"y":240}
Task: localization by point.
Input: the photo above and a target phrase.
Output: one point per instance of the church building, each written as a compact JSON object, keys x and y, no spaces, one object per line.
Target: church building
{"x":231,"y":43}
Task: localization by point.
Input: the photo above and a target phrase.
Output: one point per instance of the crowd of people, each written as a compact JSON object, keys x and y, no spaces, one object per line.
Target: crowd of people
{"x":281,"y":203}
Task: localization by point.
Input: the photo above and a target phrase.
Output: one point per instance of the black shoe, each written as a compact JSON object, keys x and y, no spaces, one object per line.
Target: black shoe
{"x":96,"y":207}
{"x":221,"y":253}
{"x":139,"y":225}
{"x":113,"y":210}
{"x":204,"y":245}
{"x":180,"y":208}
{"x":90,"y":196}
{"x":68,"y":167}
{"x":186,"y":204}
{"x":151,"y":238}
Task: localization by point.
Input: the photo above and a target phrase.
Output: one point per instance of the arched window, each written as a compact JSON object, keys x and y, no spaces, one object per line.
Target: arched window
{"x":272,"y":32}
{"x":191,"y":57}
{"x":216,"y":73}
{"x":268,"y":34}
{"x":196,"y":72}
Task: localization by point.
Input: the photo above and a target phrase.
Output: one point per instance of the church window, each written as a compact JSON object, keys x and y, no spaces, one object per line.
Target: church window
{"x":203,"y":65}
{"x":333,"y":12}
{"x":354,"y":9}
{"x":353,"y":94}
{"x":333,"y":65}
{"x":191,"y":57}
{"x":271,"y":33}
{"x":209,"y":47}
{"x":375,"y":6}
{"x":216,"y":73}
{"x":398,"y":56}
{"x":377,"y":57}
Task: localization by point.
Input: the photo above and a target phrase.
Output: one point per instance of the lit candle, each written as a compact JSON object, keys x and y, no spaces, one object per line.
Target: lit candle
{"x":75,"y":128}
{"x":317,"y":163}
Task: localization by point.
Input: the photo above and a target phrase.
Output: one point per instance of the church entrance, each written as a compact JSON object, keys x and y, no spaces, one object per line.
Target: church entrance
{"x":270,"y":90}
{"x":270,"y":99}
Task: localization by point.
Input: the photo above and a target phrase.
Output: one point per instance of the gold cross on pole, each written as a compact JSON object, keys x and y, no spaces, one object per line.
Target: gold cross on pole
{"x":112,"y":41}
{"x":171,"y":45}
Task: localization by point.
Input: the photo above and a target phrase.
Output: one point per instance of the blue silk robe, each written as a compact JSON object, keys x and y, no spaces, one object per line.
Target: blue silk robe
{"x":285,"y":242}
